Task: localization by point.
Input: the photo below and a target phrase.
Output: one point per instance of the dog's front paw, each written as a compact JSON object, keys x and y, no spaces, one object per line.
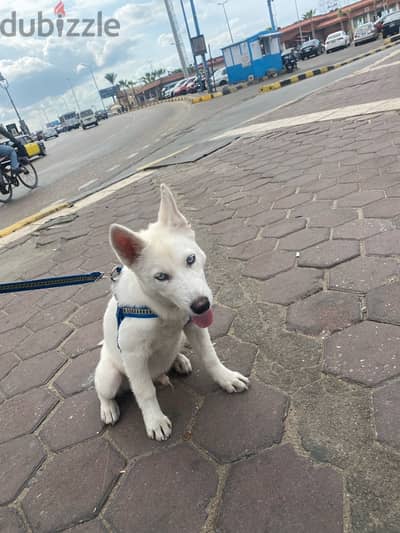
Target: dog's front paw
{"x":182,"y":364}
{"x":109,"y":411}
{"x":231,"y":381}
{"x":158,"y":427}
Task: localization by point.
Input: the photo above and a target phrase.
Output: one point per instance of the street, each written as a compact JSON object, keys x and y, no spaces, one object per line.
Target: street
{"x":82,"y":161}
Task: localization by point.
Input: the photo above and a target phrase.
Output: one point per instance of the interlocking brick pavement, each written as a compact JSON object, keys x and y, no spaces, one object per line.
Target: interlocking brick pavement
{"x":301,"y":229}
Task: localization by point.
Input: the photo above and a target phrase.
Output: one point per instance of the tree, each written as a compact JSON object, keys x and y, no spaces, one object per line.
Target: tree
{"x":342,"y":14}
{"x":154,"y":75}
{"x":111,"y":77}
{"x":309,"y":15}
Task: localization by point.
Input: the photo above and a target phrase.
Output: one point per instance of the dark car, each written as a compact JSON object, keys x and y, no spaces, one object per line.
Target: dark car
{"x":101,"y":114}
{"x":391,"y":24}
{"x":311,"y":48}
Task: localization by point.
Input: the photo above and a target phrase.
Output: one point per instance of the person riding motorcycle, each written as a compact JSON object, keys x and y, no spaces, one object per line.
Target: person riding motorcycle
{"x":13,"y":155}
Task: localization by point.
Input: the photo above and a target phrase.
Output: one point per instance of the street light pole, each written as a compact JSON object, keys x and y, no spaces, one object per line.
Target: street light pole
{"x":4,"y":84}
{"x":226,"y":17}
{"x":298,"y":18}
{"x":196,"y":66}
{"x":84,"y":65}
{"x":74,"y":95}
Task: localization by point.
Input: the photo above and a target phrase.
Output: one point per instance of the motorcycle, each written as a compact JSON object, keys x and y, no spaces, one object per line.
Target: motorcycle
{"x":289,"y":62}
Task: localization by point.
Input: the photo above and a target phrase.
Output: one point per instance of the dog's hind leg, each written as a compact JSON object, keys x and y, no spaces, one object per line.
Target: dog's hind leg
{"x":107,"y":381}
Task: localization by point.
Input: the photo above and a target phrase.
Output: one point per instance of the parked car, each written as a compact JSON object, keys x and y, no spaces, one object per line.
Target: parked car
{"x":101,"y":114}
{"x":336,"y":40}
{"x":49,"y":133}
{"x":365,"y":33}
{"x":33,"y":148}
{"x":88,"y":118}
{"x":311,"y":48}
{"x":180,"y":88}
{"x":166,"y":90}
{"x":391,"y":24}
{"x":221,"y":77}
{"x":191,"y":85}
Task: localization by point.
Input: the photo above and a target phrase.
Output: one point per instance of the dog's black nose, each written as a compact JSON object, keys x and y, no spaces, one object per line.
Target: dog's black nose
{"x":200,"y":305}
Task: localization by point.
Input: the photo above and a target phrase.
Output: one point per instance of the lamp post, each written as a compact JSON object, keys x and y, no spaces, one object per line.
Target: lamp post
{"x":203,"y":54}
{"x":74,"y":95}
{"x":84,"y":65}
{"x":298,"y":18}
{"x":226,"y":17}
{"x":196,"y":66}
{"x":4,"y":84}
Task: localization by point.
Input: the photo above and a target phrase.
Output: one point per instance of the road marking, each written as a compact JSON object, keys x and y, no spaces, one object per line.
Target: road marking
{"x":87,"y":184}
{"x":379,"y":106}
{"x":113,"y":168}
{"x":132,"y":155}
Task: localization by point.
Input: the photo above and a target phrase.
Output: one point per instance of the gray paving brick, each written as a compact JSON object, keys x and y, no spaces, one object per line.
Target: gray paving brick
{"x":363,"y":274}
{"x":290,"y":286}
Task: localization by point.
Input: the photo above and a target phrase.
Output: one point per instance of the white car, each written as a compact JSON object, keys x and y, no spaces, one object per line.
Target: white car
{"x":221,"y":77}
{"x":336,"y":40}
{"x":88,"y":118}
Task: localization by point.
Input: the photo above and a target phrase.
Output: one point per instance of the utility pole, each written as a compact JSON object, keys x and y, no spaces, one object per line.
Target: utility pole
{"x":226,"y":17}
{"x":74,"y":95}
{"x":4,"y":84}
{"x":177,"y":37}
{"x":203,"y":55}
{"x":271,"y":15}
{"x":196,"y":66}
{"x":299,"y":22}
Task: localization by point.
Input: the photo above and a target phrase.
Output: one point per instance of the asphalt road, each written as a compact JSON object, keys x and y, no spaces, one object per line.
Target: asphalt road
{"x":81,"y":161}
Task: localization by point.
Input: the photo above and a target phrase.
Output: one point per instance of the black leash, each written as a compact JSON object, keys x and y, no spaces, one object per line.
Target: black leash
{"x":50,"y":283}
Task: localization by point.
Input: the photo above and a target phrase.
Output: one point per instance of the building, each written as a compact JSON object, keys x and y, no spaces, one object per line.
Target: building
{"x":348,"y":18}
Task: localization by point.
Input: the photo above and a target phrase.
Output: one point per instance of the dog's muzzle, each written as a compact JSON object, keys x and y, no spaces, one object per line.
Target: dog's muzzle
{"x":200,"y":305}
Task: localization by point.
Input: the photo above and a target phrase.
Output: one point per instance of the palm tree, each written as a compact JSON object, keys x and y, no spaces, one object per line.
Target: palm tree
{"x":111,"y":77}
{"x":154,"y":75}
{"x":341,"y":13}
{"x":309,"y":15}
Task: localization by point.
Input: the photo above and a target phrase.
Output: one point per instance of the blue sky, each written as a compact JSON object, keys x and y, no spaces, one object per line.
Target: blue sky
{"x":38,"y":68}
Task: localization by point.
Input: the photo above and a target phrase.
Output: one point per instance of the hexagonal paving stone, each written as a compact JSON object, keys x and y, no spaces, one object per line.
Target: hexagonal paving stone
{"x":22,"y":414}
{"x":90,"y":312}
{"x":359,"y":199}
{"x":332,"y":217}
{"x":19,"y":458}
{"x":79,"y":375}
{"x":43,"y":340}
{"x":251,"y":249}
{"x":338,"y":191}
{"x":292,"y":496}
{"x":84,"y":339}
{"x":267,"y":265}
{"x":32,"y":373}
{"x":290,"y":286}
{"x":51,"y":315}
{"x":7,"y":362}
{"x":329,"y":254}
{"x":10,"y":522}
{"x":223,"y":318}
{"x":129,"y":433}
{"x":367,"y":353}
{"x":180,"y":504}
{"x":284,"y":228}
{"x":362,"y":229}
{"x":259,"y":416}
{"x":293,"y":201}
{"x":77,"y":419}
{"x":387,"y":414}
{"x":72,"y":488}
{"x":387,"y":243}
{"x":363,"y":273}
{"x":326,"y":311}
{"x":212,"y":216}
{"x":94,"y":526}
{"x":387,"y":208}
{"x":304,"y":239}
{"x":384,"y":304}
{"x":234,"y":354}
{"x":267,"y":217}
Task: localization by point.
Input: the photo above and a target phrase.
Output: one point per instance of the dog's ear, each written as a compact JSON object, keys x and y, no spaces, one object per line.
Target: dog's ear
{"x":127,"y":245}
{"x":169,"y":214}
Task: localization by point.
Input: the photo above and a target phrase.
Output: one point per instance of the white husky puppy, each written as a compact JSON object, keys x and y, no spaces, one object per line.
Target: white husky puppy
{"x":160,"y":295}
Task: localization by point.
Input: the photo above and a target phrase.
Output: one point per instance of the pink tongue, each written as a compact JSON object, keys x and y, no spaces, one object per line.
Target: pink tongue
{"x":205,"y":320}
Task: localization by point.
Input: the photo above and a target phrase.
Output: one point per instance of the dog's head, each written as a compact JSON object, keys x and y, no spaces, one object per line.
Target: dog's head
{"x":167,"y":261}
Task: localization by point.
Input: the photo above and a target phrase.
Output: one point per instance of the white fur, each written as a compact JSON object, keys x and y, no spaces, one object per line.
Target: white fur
{"x":149,"y":348}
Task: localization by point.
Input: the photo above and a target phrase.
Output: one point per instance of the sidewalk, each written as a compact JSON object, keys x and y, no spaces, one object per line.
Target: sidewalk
{"x":301,"y":229}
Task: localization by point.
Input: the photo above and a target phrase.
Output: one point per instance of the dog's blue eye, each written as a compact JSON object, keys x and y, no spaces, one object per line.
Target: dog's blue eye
{"x":191,"y":259}
{"x":161,"y":276}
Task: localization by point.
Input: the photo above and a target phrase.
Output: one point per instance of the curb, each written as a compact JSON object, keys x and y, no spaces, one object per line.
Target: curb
{"x":205,"y":97}
{"x":33,"y":218}
{"x":388,"y":43}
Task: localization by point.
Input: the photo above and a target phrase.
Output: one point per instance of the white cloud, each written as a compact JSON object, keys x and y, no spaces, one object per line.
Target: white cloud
{"x":23,"y":67}
{"x":165,"y":40}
